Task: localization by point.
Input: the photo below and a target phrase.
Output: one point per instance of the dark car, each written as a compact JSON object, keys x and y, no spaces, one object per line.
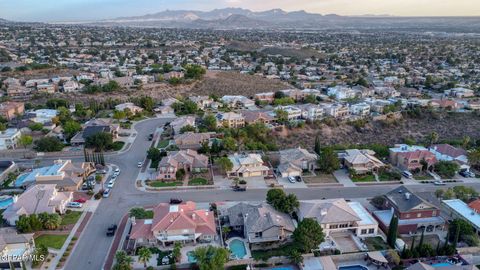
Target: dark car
{"x":298,"y":178}
{"x":111,"y":230}
{"x":239,"y":188}
{"x":466,"y":174}
{"x":175,"y":201}
{"x":150,"y":136}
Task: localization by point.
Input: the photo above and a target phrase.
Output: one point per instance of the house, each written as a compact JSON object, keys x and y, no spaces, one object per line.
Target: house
{"x":37,"y":199}
{"x":173,"y":223}
{"x":425,"y":266}
{"x":295,"y":94}
{"x":293,"y":113}
{"x":386,"y":92}
{"x":259,"y":224}
{"x":267,"y":97}
{"x":293,"y":162}
{"x":202,"y":102}
{"x":253,"y":117}
{"x":361,"y":161}
{"x":188,"y":160}
{"x":337,"y":110}
{"x":190,"y":140}
{"x":66,"y":175}
{"x":46,"y":88}
{"x":362,"y":109}
{"x":173,"y":74}
{"x":446,"y":152}
{"x":339,"y":216}
{"x":459,"y":92}
{"x":247,"y":165}
{"x":230,"y":120}
{"x":447,"y":104}
{"x":94,"y":127}
{"x":412,"y":158}
{"x":70,"y":86}
{"x":9,"y":138}
{"x":341,"y":92}
{"x":18,"y":91}
{"x":181,"y":122}
{"x":15,"y":248}
{"x":457,"y":209}
{"x":10,"y":109}
{"x":238,"y":101}
{"x":414,"y":213}
{"x":43,"y":116}
{"x":312,"y":112}
{"x":129,"y":106}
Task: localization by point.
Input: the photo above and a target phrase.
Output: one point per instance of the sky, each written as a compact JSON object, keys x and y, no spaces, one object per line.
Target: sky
{"x":72,"y":10}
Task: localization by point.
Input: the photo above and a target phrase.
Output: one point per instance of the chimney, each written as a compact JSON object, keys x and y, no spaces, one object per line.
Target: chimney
{"x":132,"y":219}
{"x":323,"y":212}
{"x":407,"y":195}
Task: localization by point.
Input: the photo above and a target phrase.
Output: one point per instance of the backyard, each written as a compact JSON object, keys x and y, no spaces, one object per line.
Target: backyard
{"x":51,"y":240}
{"x":376,"y":243}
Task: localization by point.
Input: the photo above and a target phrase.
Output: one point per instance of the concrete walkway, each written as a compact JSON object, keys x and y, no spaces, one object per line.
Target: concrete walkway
{"x":343,"y":178}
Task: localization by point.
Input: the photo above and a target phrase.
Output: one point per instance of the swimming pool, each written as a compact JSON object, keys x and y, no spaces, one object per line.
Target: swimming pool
{"x":353,"y":267}
{"x":441,"y":264}
{"x":191,"y":258}
{"x":5,"y":202}
{"x":238,"y":248}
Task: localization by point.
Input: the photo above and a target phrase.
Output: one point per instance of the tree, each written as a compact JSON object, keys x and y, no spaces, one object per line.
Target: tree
{"x":23,"y":224}
{"x":229,"y":144}
{"x":52,"y":221}
{"x":194,"y":72}
{"x":123,"y":261}
{"x":48,"y":144}
{"x":144,"y":255}
{"x":139,"y":213}
{"x":176,"y":252}
{"x":154,"y":154}
{"x":439,"y":193}
{"x":187,"y":128}
{"x":474,"y":157}
{"x":225,"y":163}
{"x":462,"y":226}
{"x":70,"y":128}
{"x":378,"y":201}
{"x":392,"y":231}
{"x":118,"y":115}
{"x":100,"y":141}
{"x":3,"y":127}
{"x":210,"y":122}
{"x":446,"y":169}
{"x":317,"y":145}
{"x":282,"y":116}
{"x":432,"y":138}
{"x":295,"y":257}
{"x":465,"y":142}
{"x":328,"y":161}
{"x":225,"y":231}
{"x":211,"y":258}
{"x":40,"y":255}
{"x":308,"y":235}
{"x":25,"y":140}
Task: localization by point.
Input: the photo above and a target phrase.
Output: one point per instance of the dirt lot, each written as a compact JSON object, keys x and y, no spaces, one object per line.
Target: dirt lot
{"x":449,"y":126}
{"x":319,"y":179}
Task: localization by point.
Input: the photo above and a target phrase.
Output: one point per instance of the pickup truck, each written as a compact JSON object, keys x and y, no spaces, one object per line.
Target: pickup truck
{"x":111,"y":230}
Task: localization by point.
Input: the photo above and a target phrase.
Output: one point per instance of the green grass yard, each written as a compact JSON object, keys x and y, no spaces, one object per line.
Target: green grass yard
{"x":163,"y":143}
{"x":198,"y":182}
{"x":70,"y":217}
{"x":164,"y":184}
{"x":51,"y":240}
{"x":363,"y":178}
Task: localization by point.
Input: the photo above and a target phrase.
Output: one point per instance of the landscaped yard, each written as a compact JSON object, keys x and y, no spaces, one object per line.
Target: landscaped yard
{"x":117,"y":146}
{"x":376,"y":243}
{"x":263,"y":255}
{"x":422,"y":176}
{"x":51,"y":240}
{"x":320,"y":178}
{"x":198,"y":182}
{"x":389,"y":176}
{"x":363,"y":178}
{"x":71,"y":217}
{"x":163,"y":143}
{"x":163,"y":184}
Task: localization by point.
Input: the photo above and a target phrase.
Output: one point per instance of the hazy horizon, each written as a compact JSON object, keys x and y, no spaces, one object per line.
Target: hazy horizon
{"x":72,"y":10}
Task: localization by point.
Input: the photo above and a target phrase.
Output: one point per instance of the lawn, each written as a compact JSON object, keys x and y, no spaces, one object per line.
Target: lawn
{"x":389,"y":176}
{"x":376,"y":243}
{"x":320,"y":178}
{"x":117,"y":146}
{"x":163,"y":143}
{"x":422,"y":176}
{"x":198,"y":182}
{"x":164,"y":184}
{"x":70,"y":217}
{"x":51,"y":240}
{"x":363,"y":178}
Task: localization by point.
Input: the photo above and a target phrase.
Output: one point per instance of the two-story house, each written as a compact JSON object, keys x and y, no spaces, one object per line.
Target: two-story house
{"x":293,"y":162}
{"x":173,"y":223}
{"x":188,"y":160}
{"x":230,"y":120}
{"x":411,"y":157}
{"x":248,"y":165}
{"x":413,"y":212}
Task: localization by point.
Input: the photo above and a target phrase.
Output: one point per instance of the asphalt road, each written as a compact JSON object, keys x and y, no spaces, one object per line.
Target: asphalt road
{"x":93,"y":245}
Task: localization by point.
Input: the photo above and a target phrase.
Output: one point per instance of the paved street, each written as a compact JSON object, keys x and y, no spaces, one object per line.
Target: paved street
{"x":93,"y":245}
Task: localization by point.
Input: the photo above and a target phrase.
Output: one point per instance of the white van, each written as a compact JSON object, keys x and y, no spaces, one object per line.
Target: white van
{"x":407,"y":174}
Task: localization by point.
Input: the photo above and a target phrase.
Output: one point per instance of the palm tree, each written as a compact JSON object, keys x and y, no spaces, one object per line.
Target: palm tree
{"x":465,"y":142}
{"x":433,"y":138}
{"x":123,"y":261}
{"x":144,"y":255}
{"x":52,"y":221}
{"x":296,"y":257}
{"x":225,"y":232}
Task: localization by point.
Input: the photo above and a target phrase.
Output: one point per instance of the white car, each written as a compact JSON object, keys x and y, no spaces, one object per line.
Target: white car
{"x":139,"y":164}
{"x":291,"y":179}
{"x":110,"y":184}
{"x":74,"y":205}
{"x":117,"y":170}
{"x":439,"y":183}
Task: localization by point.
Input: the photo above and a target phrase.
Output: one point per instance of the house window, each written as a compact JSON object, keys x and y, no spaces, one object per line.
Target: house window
{"x":258,"y":234}
{"x":370,"y":231}
{"x":434,"y":213}
{"x":364,"y":231}
{"x":419,"y":215}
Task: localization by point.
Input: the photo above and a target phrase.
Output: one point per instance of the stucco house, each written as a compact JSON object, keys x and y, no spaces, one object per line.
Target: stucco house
{"x":247,"y":165}
{"x":189,"y":160}
{"x":411,"y":157}
{"x":361,"y":161}
{"x":15,"y":248}
{"x":293,"y":162}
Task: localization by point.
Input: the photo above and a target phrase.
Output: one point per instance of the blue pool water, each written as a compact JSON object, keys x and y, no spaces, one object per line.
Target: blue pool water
{"x":238,"y":248}
{"x":5,"y":203}
{"x":22,"y":179}
{"x":191,"y":258}
{"x":353,"y":267}
{"x":441,"y":264}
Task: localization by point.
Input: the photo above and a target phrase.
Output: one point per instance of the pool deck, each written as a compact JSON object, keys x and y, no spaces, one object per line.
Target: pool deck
{"x":358,"y":262}
{"x":188,"y":248}
{"x":248,"y":254}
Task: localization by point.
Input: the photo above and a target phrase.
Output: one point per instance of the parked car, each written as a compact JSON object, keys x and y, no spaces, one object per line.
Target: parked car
{"x":407,"y":174}
{"x":467,"y":174}
{"x":150,"y":136}
{"x":81,"y":200}
{"x":106,"y":193}
{"x":139,"y":164}
{"x":87,"y":186}
{"x":298,"y":178}
{"x":239,"y":188}
{"x":114,"y":178}
{"x":175,"y":201}
{"x":291,"y":179}
{"x":111,"y":230}
{"x":110,"y":184}
{"x":74,"y":205}
{"x":102,"y":172}
{"x":439,"y":183}
{"x":117,"y":170}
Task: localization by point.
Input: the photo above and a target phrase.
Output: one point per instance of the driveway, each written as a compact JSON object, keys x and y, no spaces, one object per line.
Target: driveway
{"x":343,"y":178}
{"x":286,"y":184}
